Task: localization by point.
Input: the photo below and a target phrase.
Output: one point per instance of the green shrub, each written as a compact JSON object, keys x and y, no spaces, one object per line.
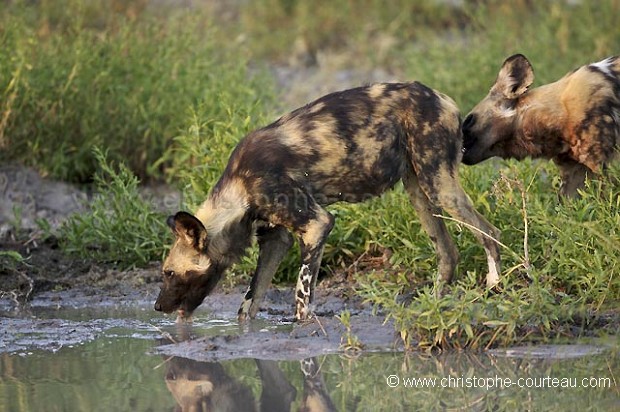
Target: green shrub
{"x":121,"y":228}
{"x":362,"y":27}
{"x":75,"y":75}
{"x":556,"y":38}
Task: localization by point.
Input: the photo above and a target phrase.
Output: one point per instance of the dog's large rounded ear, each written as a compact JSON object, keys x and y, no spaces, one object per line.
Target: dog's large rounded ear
{"x":189,"y":229}
{"x":515,"y":77}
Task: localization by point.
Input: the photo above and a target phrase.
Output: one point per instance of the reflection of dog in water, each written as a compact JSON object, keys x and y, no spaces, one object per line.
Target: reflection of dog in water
{"x":207,"y":386}
{"x":315,"y":396}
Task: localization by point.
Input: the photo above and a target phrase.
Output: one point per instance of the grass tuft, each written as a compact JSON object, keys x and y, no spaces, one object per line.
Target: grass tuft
{"x":122,"y":228}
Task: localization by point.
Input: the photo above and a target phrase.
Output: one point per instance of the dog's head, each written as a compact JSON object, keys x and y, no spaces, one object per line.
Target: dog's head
{"x":189,"y":274}
{"x":489,"y":128}
{"x":206,"y":386}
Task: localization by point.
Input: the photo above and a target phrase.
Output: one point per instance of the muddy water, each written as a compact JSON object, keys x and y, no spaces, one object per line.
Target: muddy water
{"x":128,"y":358}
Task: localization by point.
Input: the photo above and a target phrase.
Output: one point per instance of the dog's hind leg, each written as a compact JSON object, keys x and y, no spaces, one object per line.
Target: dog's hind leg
{"x":447,"y":253}
{"x":456,"y":202}
{"x":274,"y":243}
{"x":435,"y":161}
{"x":444,"y":190}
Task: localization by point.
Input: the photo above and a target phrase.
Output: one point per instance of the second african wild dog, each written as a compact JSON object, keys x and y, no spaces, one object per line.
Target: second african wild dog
{"x":346,"y":146}
{"x":575,"y":121}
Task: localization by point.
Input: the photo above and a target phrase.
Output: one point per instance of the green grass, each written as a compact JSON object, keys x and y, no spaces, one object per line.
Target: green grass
{"x":361,"y":27}
{"x":168,"y":94}
{"x":557,"y":279}
{"x":75,"y":75}
{"x":122,"y":227}
{"x":11,"y":256}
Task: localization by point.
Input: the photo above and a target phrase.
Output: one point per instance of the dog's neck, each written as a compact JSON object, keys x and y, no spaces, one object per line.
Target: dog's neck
{"x":541,"y":119}
{"x":229,"y":228}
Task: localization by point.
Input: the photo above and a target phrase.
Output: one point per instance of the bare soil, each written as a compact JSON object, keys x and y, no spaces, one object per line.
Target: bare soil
{"x":26,"y":200}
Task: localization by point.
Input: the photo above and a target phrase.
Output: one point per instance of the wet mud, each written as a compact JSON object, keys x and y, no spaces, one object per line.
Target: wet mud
{"x":49,"y":300}
{"x":55,"y":319}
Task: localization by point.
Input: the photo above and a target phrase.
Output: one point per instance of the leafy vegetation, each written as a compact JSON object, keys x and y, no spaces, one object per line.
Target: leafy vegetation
{"x":169,"y":93}
{"x":76,"y":74}
{"x":561,"y":264}
{"x":122,"y":227}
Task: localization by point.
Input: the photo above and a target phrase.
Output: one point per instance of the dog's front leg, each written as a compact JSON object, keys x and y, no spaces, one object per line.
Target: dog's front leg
{"x":573,"y":177}
{"x":273,"y":243}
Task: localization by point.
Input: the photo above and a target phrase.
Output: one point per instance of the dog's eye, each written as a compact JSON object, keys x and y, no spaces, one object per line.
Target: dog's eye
{"x":168,"y":273}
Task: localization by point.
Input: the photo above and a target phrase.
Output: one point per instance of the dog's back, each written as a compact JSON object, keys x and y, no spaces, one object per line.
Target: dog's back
{"x":349,"y":145}
{"x":592,"y":99}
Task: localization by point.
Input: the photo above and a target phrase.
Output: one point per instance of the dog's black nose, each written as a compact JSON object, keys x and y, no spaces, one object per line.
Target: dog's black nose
{"x":469,"y":122}
{"x":158,"y":306}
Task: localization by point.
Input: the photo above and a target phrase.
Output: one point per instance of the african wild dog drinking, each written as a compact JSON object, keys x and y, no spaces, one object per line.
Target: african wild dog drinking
{"x":574,"y":121}
{"x":346,"y":146}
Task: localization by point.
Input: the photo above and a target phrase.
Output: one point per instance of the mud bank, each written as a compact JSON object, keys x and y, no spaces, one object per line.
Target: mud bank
{"x":49,"y":300}
{"x":56,"y":319}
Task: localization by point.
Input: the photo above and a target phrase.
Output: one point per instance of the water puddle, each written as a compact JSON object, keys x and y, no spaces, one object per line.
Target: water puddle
{"x":131,"y":359}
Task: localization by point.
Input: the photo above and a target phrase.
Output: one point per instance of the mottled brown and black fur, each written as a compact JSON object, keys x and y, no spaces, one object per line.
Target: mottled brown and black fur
{"x":346,"y":146}
{"x":574,"y":121}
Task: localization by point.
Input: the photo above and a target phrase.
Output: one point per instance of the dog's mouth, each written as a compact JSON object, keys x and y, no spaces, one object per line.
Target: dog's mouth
{"x":469,"y":150}
{"x":468,"y":141}
{"x":184,"y":316}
